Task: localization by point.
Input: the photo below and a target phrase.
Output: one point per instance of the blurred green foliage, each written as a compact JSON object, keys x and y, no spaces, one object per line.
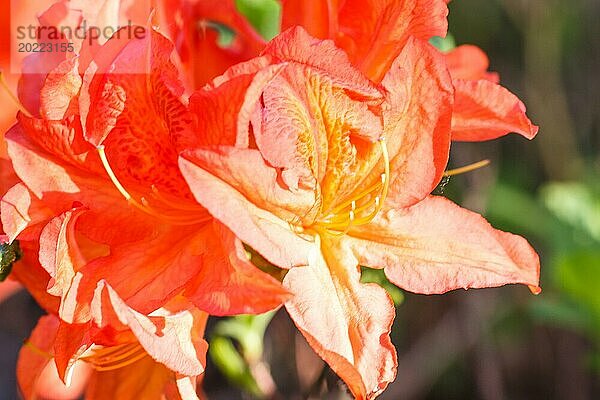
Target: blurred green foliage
{"x":236,"y":345}
{"x":264,"y":15}
{"x":564,"y":219}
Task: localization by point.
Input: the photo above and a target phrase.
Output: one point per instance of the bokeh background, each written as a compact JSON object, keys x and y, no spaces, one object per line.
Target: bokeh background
{"x":488,"y":344}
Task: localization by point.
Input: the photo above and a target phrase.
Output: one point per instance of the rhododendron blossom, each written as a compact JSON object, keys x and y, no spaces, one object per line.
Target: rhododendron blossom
{"x":330,"y":171}
{"x":138,"y":208}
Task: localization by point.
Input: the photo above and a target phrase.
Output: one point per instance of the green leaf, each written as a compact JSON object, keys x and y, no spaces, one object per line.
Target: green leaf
{"x":559,"y":312}
{"x":516,"y":210}
{"x":9,"y":254}
{"x":443,"y":44}
{"x":226,"y":357}
{"x":264,"y":15}
{"x":578,"y":275}
{"x":576,"y":204}
{"x":370,"y":275}
{"x":248,"y":330}
{"x":235,"y":363}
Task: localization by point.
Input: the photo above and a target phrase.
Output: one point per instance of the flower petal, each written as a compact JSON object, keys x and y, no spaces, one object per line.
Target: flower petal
{"x":36,"y":371}
{"x":417,"y":118}
{"x":346,"y":322}
{"x":71,"y":185}
{"x":197,"y":38}
{"x":484,"y":110}
{"x":19,"y":209}
{"x":374,"y":32}
{"x":436,"y":246}
{"x":131,"y":104}
{"x":228,"y":282}
{"x":60,"y":257}
{"x":144,"y":379}
{"x":34,"y":277}
{"x":319,"y":18}
{"x":469,"y":62}
{"x":323,"y":56}
{"x":8,"y":178}
{"x":215,"y":185}
{"x":174,"y":340}
{"x":223,"y":108}
{"x":60,"y":88}
{"x":31,"y":363}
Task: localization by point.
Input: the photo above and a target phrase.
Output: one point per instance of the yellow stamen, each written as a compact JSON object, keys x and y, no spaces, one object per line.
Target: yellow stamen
{"x":112,"y":358}
{"x":340,"y":220}
{"x":101,"y":358}
{"x":37,"y":350}
{"x":467,"y":168}
{"x":191,"y":217}
{"x":12,"y":96}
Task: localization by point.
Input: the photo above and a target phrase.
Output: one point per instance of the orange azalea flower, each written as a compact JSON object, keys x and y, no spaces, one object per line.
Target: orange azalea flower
{"x":113,"y":361}
{"x":101,"y":199}
{"x":373,"y":34}
{"x":158,"y":233}
{"x":326,"y":171}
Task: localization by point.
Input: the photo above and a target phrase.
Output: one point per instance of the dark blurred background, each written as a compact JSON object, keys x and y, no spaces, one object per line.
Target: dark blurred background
{"x":488,"y":344}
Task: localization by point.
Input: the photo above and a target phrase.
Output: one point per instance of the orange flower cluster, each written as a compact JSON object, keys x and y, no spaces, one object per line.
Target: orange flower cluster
{"x":139,"y":169}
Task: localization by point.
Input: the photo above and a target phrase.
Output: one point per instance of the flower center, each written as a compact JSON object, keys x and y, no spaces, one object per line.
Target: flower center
{"x":170,"y":210}
{"x":363,"y":207}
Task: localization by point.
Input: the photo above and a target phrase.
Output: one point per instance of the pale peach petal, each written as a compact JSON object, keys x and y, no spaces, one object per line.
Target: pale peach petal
{"x":346,"y":322}
{"x":19,"y":209}
{"x":169,"y":339}
{"x":262,"y":230}
{"x":322,"y":56}
{"x":436,"y":246}
{"x":469,"y":62}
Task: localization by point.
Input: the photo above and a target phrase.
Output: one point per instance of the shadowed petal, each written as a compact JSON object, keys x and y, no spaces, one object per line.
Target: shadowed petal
{"x":174,"y":340}
{"x":229,"y":283}
{"x":374,"y":32}
{"x":319,"y":18}
{"x":144,"y":379}
{"x":31,"y":363}
{"x":262,"y":230}
{"x":196,"y":33}
{"x":469,"y":62}
{"x":484,"y":110}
